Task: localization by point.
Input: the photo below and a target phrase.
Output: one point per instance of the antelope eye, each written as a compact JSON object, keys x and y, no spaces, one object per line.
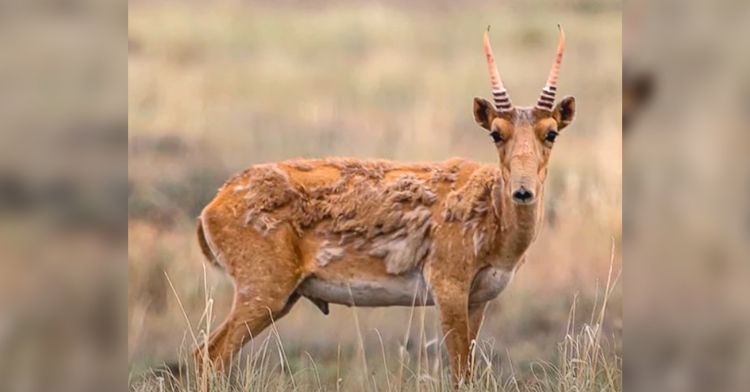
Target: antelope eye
{"x":551,"y":135}
{"x":496,"y":136}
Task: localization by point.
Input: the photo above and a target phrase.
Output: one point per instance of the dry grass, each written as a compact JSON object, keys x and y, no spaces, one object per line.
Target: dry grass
{"x":584,"y":363}
{"x":216,"y":87}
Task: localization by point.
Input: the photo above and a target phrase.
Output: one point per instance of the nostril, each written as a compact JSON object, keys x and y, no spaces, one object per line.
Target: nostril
{"x":523,"y":195}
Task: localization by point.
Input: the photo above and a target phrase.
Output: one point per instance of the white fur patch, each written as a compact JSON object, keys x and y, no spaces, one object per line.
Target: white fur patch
{"x":328,"y":254}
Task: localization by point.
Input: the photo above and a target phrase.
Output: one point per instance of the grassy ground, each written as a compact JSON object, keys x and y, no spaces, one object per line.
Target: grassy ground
{"x":584,"y":361}
{"x":215,"y":87}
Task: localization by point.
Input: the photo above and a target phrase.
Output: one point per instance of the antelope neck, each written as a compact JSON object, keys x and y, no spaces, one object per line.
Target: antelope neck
{"x":519,"y":224}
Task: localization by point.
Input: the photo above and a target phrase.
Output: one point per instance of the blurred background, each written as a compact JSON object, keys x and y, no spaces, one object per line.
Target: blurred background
{"x":216,"y":86}
{"x":63,"y":195}
{"x":686,"y":199}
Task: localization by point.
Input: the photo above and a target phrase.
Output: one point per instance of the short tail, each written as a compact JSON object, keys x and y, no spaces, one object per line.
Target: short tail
{"x":205,"y":247}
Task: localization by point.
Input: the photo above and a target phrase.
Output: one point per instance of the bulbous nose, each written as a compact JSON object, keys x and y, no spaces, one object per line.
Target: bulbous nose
{"x":523,"y":195}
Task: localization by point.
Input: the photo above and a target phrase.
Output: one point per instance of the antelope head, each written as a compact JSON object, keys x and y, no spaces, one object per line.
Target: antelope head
{"x":524,"y":136}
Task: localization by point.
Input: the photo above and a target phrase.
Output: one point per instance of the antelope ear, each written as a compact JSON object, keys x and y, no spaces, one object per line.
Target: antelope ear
{"x":484,"y":112}
{"x":564,"y":112}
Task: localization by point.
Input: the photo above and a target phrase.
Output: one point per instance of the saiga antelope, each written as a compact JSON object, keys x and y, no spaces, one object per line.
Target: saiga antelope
{"x":382,"y":233}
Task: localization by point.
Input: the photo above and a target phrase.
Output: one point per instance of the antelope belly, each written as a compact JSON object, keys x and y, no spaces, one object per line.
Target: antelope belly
{"x":401,"y":290}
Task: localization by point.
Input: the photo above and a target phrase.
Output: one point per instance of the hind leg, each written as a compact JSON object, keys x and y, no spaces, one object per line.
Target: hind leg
{"x":248,"y":319}
{"x":265,"y":277}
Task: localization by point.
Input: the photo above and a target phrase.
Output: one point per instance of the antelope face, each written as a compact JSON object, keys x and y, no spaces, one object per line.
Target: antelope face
{"x":524,"y":137}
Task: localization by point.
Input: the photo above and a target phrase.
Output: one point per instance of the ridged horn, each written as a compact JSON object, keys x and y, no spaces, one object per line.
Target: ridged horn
{"x":547,"y":98}
{"x":499,"y":94}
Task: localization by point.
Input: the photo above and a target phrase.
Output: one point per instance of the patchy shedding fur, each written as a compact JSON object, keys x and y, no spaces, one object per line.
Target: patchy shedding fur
{"x":472,"y":204}
{"x":384,"y":209}
{"x":409,"y":243}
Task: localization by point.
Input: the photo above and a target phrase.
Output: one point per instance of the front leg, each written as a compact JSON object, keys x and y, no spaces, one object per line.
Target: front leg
{"x":454,"y":321}
{"x":451,"y":295}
